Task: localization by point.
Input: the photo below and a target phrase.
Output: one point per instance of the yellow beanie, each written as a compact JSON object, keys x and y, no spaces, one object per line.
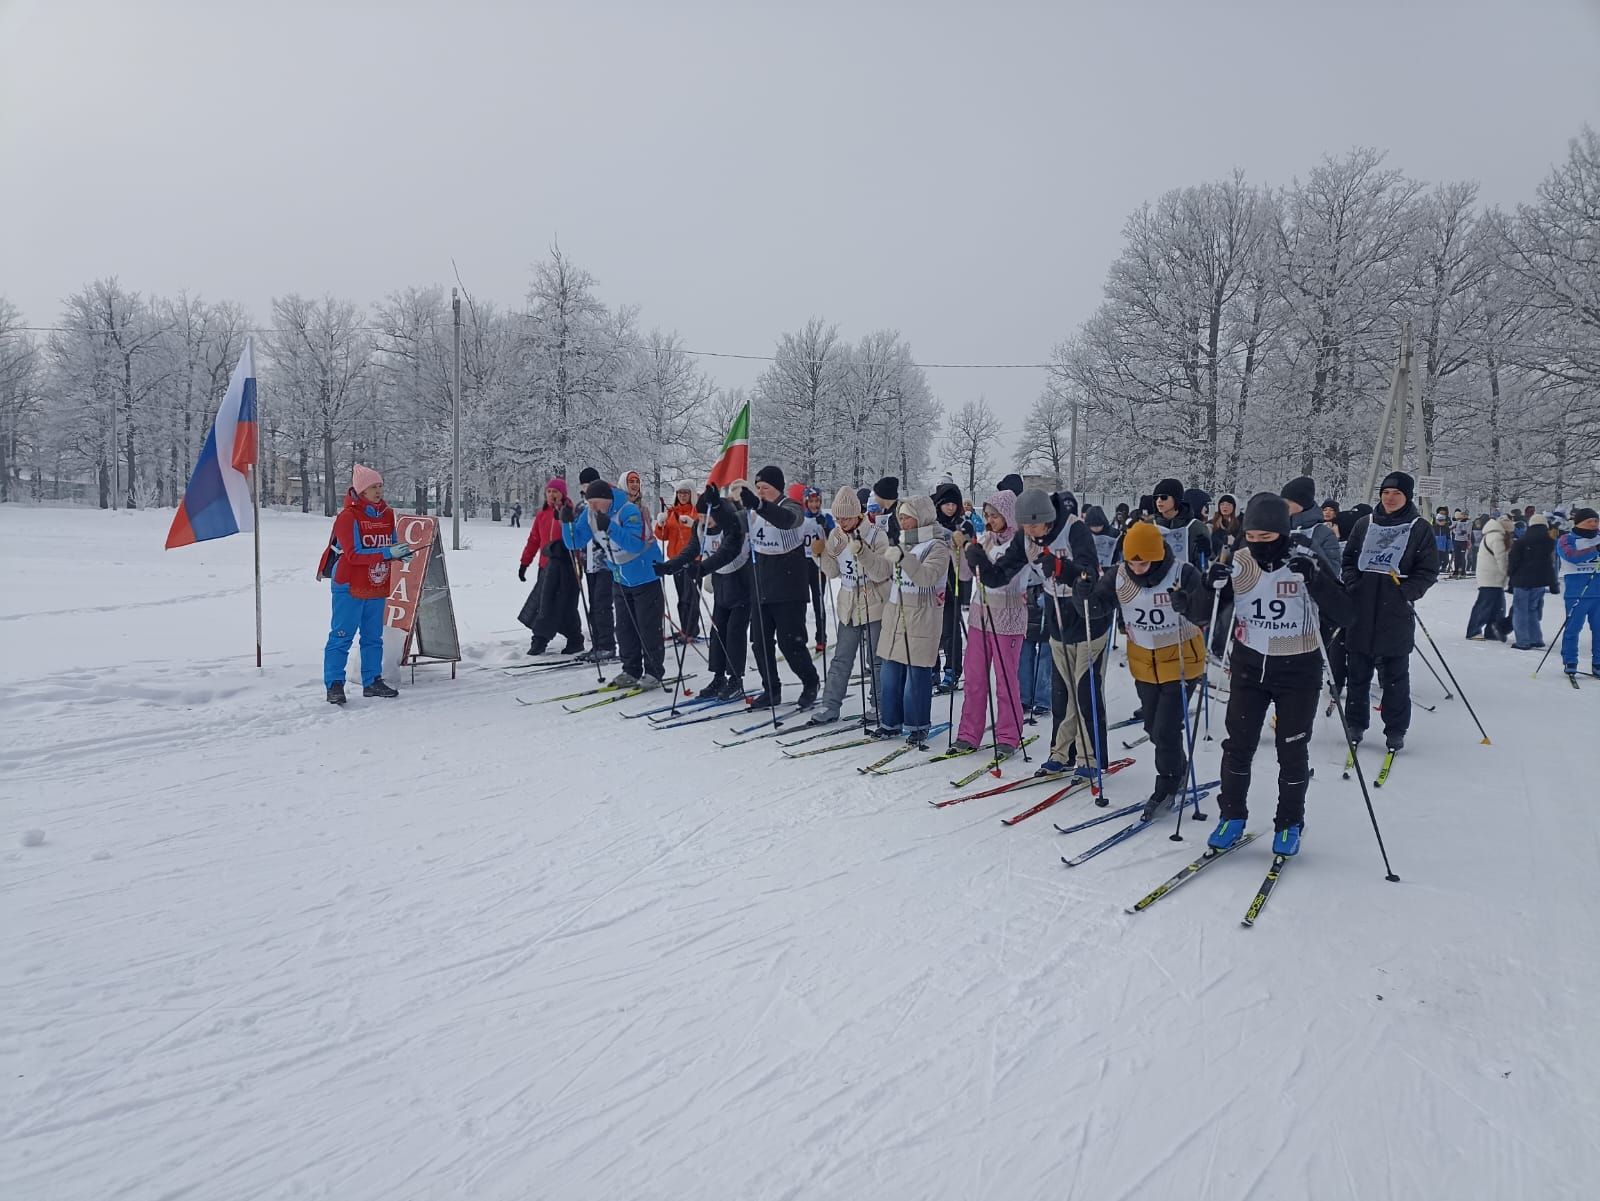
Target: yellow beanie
{"x":1143,"y":542}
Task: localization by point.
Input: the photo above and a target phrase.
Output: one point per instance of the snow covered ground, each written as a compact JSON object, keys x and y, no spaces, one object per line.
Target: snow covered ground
{"x":454,"y":947}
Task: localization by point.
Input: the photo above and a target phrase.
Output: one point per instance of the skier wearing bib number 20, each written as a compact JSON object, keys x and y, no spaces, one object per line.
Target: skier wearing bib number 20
{"x":1394,"y":537}
{"x":1164,"y":603}
{"x":359,"y":554}
{"x":1279,"y":590}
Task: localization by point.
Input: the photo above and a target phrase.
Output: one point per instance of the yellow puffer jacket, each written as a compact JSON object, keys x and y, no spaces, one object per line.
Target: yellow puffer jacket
{"x":1184,"y":658}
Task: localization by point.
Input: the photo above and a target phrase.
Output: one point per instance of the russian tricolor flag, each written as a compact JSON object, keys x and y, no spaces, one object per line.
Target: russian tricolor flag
{"x":217,"y":501}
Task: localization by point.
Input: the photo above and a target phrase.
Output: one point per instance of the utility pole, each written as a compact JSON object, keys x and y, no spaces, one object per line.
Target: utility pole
{"x":455,"y":458}
{"x":1072,"y":452}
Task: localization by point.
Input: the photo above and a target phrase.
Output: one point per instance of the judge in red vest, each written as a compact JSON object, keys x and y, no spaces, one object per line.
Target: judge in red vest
{"x":361,"y":549}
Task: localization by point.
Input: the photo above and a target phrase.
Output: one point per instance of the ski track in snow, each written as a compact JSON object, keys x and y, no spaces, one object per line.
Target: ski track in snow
{"x":454,"y":947}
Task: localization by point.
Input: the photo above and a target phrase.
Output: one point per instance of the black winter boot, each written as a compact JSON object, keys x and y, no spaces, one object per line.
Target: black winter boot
{"x":379,"y":688}
{"x":336,"y":693}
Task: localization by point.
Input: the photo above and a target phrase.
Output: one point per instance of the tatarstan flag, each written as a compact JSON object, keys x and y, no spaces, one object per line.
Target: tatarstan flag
{"x":734,"y":462}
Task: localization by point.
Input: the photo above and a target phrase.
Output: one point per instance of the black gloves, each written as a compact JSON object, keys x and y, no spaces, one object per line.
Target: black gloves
{"x":1180,"y":602}
{"x":1304,"y":566}
{"x":1048,"y":564}
{"x":975,"y":556}
{"x":749,"y":499}
{"x":708,"y":499}
{"x":522,"y":572}
{"x":602,"y":521}
{"x":661,"y":569}
{"x":1082,"y":589}
{"x":1218,"y":573}
{"x":566,"y":513}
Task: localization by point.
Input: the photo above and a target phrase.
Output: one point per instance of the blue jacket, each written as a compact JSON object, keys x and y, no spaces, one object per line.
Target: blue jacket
{"x":626,"y":538}
{"x":1584,"y":585}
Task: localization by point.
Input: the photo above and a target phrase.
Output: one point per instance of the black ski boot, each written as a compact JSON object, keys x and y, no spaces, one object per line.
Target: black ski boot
{"x":733,"y":690}
{"x":766,"y":700}
{"x":537,"y":646}
{"x":1394,"y":742}
{"x":1159,"y":799}
{"x":808,"y":698}
{"x":714,"y":689}
{"x":572,"y":647}
{"x":336,"y":693}
{"x":379,"y":688}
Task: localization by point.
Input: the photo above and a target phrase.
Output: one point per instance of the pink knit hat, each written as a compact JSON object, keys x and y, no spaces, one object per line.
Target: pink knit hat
{"x":363,"y":478}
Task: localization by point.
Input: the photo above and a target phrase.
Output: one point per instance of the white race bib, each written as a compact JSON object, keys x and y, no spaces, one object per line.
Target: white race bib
{"x":1104,"y":547}
{"x":1177,"y":541}
{"x":1384,"y":547}
{"x":1272,"y":615}
{"x":1591,"y":567}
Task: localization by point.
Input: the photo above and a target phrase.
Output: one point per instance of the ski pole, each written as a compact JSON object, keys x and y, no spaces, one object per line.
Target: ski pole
{"x":1442,"y":663}
{"x":767,"y":656}
{"x":991,"y":683}
{"x":1554,"y":641}
{"x":1188,"y":734}
{"x":1096,"y":736}
{"x":583,"y":595}
{"x":1350,"y":746}
{"x":1448,"y":695}
{"x":677,"y":683}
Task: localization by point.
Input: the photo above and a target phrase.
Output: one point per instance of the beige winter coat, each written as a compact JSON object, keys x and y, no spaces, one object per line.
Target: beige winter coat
{"x":913,"y":616}
{"x":1494,"y":552}
{"x":863,"y":604}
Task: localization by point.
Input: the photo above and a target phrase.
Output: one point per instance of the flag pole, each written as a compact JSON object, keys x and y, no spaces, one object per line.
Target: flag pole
{"x":255,"y":512}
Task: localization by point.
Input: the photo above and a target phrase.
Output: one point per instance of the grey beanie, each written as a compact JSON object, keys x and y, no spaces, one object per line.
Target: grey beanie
{"x":1035,"y":507}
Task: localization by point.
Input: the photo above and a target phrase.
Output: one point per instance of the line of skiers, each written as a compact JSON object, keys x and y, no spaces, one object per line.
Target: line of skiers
{"x":1282,"y":584}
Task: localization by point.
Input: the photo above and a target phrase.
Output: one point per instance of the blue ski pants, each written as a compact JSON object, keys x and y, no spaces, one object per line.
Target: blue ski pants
{"x":351,"y":614}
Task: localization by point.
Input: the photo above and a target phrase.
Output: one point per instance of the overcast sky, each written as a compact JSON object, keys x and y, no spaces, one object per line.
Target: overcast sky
{"x":959,"y":172}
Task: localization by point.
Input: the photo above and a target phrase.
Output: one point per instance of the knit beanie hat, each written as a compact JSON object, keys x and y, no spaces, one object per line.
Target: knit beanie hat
{"x":1267,"y":513}
{"x":846,"y":504}
{"x":597,"y":490}
{"x":363,"y":478}
{"x":1402,"y":481}
{"x":888,"y":488}
{"x":1168,"y":487}
{"x":559,"y":484}
{"x":588,"y":475}
{"x":1035,"y":508}
{"x":1582,"y":514}
{"x":863,"y":495}
{"x":1302,"y":490}
{"x":1012,"y":484}
{"x":795,"y":492}
{"x":1539,"y":519}
{"x":771,"y":474}
{"x":1143,"y":542}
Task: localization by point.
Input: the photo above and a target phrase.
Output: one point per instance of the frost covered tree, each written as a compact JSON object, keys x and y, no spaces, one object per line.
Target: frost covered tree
{"x":1046,"y":441}
{"x":20,"y":403}
{"x":666,"y":392}
{"x":321,"y":353}
{"x":972,"y":433}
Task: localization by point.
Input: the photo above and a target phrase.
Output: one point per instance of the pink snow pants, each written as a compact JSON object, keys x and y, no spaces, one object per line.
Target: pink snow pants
{"x":1000,"y":654}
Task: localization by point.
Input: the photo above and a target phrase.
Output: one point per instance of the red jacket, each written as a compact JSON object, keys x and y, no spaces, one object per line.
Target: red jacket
{"x":544,"y":531}
{"x":671,"y":528}
{"x":361,"y":532}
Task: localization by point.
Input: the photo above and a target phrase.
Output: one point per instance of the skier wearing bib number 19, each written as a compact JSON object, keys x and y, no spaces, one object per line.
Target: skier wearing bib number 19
{"x":359,"y":553}
{"x":1279,"y":590}
{"x":1393,"y":538}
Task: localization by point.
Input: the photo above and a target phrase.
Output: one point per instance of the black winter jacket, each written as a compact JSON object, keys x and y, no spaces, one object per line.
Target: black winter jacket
{"x":1292,"y":671}
{"x":782,"y":578}
{"x":730,"y":589}
{"x":1532,"y":561}
{"x":1081,"y":561}
{"x":1381,"y":624}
